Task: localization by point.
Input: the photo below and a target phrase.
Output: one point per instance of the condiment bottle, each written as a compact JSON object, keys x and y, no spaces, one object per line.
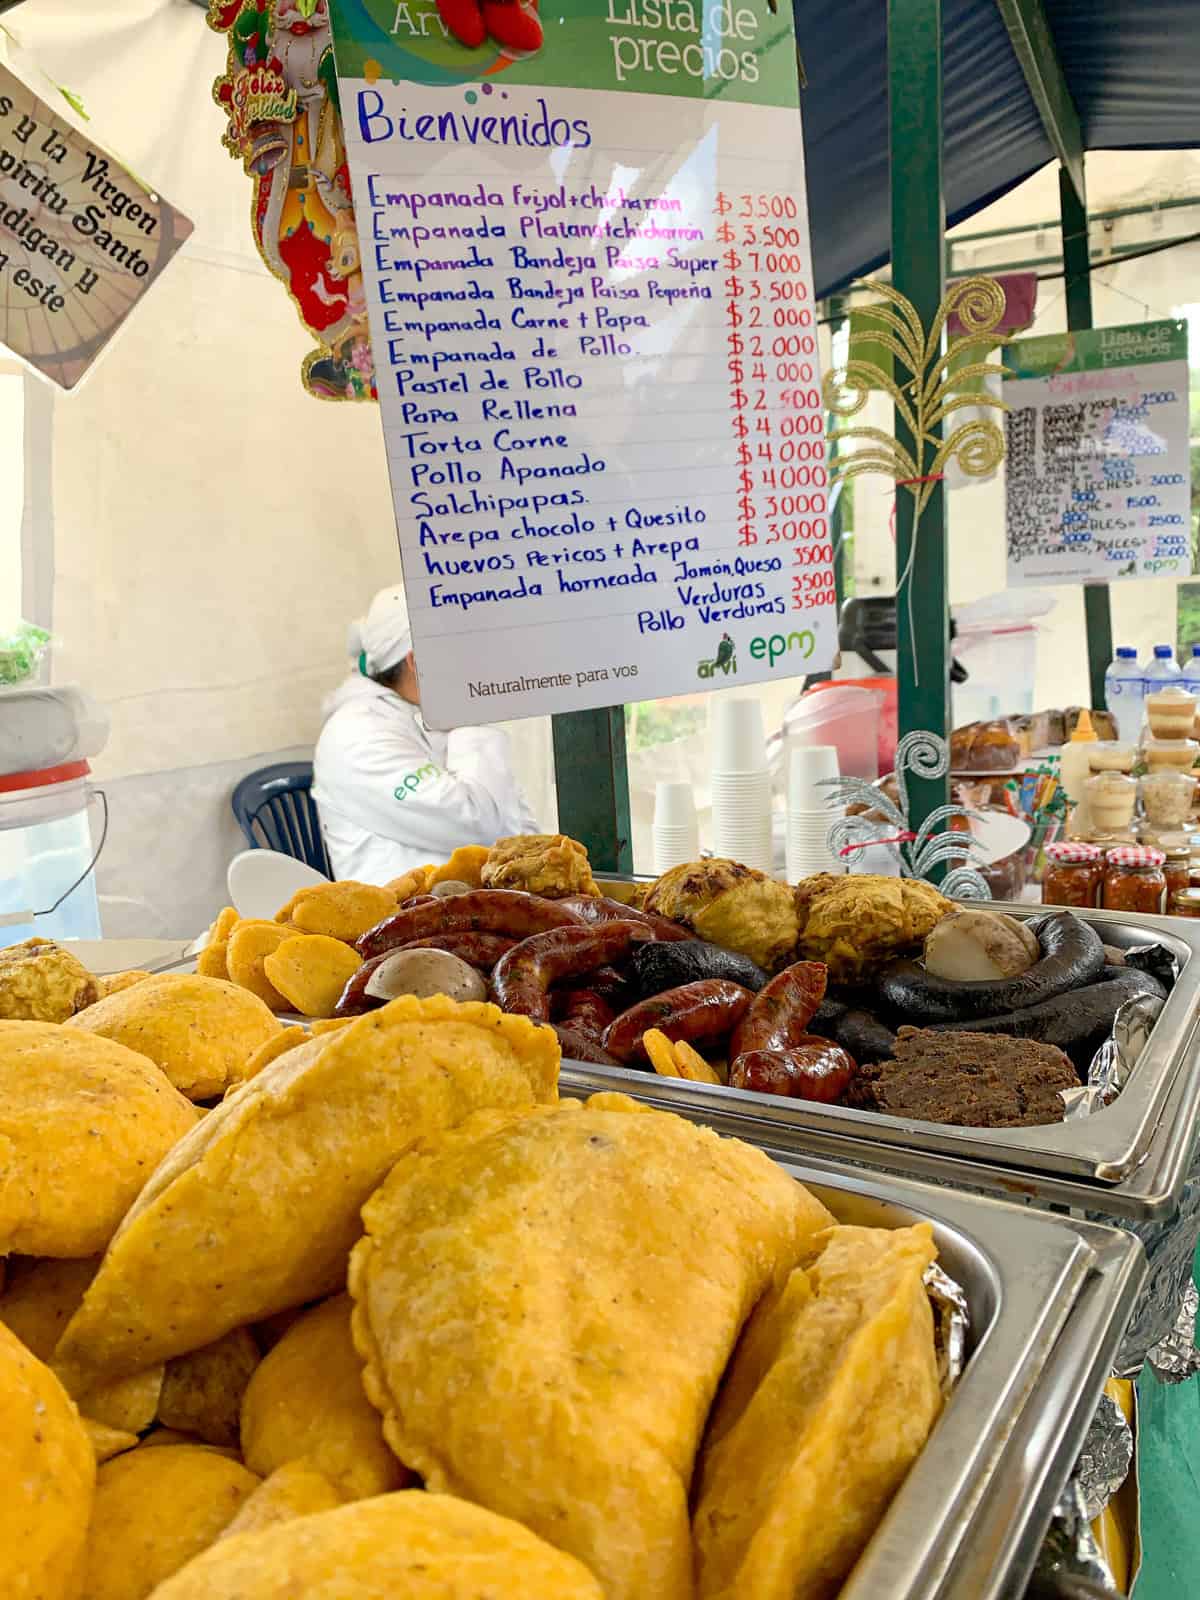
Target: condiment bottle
{"x":1133,"y":879}
{"x":1185,"y":904}
{"x":1074,"y":768}
{"x":1073,"y":875}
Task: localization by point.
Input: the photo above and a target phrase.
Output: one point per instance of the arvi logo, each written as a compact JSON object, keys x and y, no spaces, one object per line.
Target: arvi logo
{"x":725,"y":660}
{"x":414,"y":780}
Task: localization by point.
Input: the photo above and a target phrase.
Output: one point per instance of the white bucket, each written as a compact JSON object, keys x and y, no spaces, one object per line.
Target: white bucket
{"x":45,"y":847}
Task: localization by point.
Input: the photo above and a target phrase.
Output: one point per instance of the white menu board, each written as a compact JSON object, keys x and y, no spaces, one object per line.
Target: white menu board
{"x":1098,"y":477}
{"x":592,"y":317}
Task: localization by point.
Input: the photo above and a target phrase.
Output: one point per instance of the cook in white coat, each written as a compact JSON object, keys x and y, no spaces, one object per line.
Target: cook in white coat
{"x":392,"y":794}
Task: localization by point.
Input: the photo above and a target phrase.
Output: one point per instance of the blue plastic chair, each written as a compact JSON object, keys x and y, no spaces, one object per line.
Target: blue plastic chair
{"x":276,"y":811}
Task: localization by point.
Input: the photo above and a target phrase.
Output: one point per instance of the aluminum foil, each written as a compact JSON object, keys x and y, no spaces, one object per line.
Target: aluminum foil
{"x":1115,"y":1059}
{"x":1170,"y":1247}
{"x":1106,"y":1457}
{"x":1070,"y":1566}
{"x":951,"y":1319}
{"x":1175,"y":1358}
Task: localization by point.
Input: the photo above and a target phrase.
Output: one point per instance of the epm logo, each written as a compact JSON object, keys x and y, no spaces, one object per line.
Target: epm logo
{"x":725,"y":660}
{"x":414,"y":780}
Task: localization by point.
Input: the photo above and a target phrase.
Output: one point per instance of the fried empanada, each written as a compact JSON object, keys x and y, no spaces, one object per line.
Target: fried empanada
{"x":47,"y":1473}
{"x":310,"y":971}
{"x":546,"y":1308}
{"x":295,"y":1490}
{"x":83,"y":1123}
{"x":41,"y":1298}
{"x":202,"y":1391}
{"x":826,"y":1404}
{"x":248,"y":946}
{"x":200,"y":1031}
{"x":156,"y":1509}
{"x":257,"y":1208}
{"x":108,"y":1442}
{"x":307,"y":1400}
{"x":408,"y":1546}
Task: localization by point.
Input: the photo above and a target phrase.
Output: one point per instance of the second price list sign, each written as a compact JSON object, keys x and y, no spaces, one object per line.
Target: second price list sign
{"x":591,"y":305}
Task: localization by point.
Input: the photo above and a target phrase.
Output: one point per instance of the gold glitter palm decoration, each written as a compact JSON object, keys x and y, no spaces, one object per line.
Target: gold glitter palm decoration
{"x":928,"y":397}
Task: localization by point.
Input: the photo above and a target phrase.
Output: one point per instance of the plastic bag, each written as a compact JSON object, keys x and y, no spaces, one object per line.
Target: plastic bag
{"x":21,"y":652}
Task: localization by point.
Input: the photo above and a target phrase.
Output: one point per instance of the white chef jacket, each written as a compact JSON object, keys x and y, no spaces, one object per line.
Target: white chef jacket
{"x":393,"y":795}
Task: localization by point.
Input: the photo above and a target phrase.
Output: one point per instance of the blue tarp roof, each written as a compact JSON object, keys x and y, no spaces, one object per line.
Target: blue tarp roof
{"x":1133,"y":67}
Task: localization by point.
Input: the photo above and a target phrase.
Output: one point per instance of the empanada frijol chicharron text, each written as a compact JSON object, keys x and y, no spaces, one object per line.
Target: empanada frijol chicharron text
{"x":256,"y":1209}
{"x":546,"y":1306}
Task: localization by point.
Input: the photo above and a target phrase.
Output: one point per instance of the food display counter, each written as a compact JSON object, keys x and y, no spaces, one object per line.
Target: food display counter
{"x":1129,"y":1159}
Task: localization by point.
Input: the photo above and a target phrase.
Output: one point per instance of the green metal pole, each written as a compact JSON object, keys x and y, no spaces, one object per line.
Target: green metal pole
{"x":918,"y":234}
{"x":591,"y":777}
{"x":1097,"y":604}
{"x":837,"y":516}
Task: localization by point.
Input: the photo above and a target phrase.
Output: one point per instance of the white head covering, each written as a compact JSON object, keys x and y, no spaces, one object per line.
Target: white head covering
{"x":381,"y":639}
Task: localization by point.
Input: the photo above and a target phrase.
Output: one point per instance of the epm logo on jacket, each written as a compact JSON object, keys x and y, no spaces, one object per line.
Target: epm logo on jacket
{"x":414,"y":780}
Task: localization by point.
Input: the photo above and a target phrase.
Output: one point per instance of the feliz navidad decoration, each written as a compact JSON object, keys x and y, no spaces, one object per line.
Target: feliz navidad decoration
{"x":279,"y":93}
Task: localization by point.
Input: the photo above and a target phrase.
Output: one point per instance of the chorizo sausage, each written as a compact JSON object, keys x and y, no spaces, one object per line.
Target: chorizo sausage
{"x":521,"y":980}
{"x":511,"y":912}
{"x":701,"y":1013}
{"x":583,"y":1011}
{"x":578,"y":1047}
{"x":780,"y":1013}
{"x":598,"y":908}
{"x":812,"y":1069}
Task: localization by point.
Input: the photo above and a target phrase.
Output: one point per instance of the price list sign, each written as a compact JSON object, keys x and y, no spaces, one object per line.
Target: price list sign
{"x":1098,"y":478}
{"x":591,"y":300}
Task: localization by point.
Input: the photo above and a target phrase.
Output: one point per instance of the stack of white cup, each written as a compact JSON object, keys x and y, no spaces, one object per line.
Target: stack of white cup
{"x":741,"y":784}
{"x":809,"y":816}
{"x":676,"y":828}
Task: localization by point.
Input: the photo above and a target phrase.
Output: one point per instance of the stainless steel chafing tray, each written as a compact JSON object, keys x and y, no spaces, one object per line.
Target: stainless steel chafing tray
{"x":1128,"y":1160}
{"x":1049,"y":1300}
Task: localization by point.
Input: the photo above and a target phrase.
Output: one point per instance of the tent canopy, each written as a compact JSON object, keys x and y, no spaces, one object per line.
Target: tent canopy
{"x":1131,"y":70}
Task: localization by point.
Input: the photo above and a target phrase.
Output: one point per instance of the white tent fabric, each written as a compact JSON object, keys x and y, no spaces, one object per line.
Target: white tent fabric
{"x":214,"y":528}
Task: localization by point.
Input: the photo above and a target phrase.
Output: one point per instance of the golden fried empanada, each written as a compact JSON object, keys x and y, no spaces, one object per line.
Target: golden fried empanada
{"x":295,"y":1490}
{"x":257,"y":1208}
{"x":310,"y":971}
{"x":156,"y":1509}
{"x":248,"y":946}
{"x":83,"y":1124}
{"x":202,"y":1391}
{"x":41,"y":1298}
{"x":343,"y":910}
{"x":307,"y":1400}
{"x":408,"y":1546}
{"x":47,"y":1472}
{"x":827,"y":1403}
{"x":547,"y":1306}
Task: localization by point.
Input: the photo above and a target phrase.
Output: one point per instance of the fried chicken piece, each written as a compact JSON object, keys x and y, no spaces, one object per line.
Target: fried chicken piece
{"x":548,"y":864}
{"x":730,"y":905}
{"x":42,"y":982}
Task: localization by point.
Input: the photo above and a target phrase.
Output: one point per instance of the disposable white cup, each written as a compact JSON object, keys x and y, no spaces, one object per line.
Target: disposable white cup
{"x":674,"y":850}
{"x":811,"y":764}
{"x":674,"y":805}
{"x":739,"y":743}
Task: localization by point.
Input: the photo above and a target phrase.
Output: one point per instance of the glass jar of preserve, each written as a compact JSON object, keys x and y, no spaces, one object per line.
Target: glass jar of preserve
{"x":1185,"y":904}
{"x":1177,"y":869}
{"x":1073,"y":875}
{"x":1133,"y":879}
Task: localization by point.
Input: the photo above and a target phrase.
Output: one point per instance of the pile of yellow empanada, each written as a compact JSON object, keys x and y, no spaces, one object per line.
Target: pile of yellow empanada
{"x":392,"y":1321}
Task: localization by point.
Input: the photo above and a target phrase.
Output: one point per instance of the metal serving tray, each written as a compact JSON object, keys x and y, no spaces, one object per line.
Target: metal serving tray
{"x":1129,"y":1160}
{"x":1049,"y":1302}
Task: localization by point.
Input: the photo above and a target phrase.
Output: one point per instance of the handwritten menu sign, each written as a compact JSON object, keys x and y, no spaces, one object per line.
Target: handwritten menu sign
{"x":1098,"y":473}
{"x":591,"y":307}
{"x":81,"y":239}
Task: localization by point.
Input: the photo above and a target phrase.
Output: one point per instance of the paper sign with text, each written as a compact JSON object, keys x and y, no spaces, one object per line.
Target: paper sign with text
{"x":1098,"y":476}
{"x":81,"y":240}
{"x":591,"y":304}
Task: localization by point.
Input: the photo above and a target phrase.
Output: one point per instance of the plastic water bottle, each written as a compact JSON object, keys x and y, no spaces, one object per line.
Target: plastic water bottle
{"x":1125,"y":692}
{"x":1164,"y":669}
{"x":1191,"y":672}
